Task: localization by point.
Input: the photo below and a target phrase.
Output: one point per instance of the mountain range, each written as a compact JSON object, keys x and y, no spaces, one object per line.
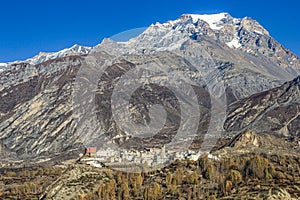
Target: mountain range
{"x":260,"y":77}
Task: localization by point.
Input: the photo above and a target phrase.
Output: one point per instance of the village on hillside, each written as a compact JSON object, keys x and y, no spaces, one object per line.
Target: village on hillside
{"x":149,"y":157}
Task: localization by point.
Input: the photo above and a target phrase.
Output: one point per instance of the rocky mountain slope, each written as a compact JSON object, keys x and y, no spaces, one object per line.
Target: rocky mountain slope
{"x":273,"y":111}
{"x":37,"y":114}
{"x":252,"y":59}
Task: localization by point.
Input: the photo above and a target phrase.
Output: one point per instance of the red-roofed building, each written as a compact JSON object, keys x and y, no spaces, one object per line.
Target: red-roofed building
{"x":90,"y":151}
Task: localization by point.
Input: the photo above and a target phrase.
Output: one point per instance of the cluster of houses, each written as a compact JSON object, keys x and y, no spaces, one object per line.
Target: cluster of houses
{"x":149,"y":156}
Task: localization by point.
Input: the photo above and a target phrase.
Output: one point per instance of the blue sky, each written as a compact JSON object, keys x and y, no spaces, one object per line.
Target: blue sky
{"x":28,"y":27}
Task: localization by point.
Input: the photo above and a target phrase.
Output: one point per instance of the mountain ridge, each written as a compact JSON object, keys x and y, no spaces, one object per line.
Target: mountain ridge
{"x":209,"y":19}
{"x":36,"y":111}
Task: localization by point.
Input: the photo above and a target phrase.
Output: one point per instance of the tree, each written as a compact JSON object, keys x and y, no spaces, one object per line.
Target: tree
{"x":255,"y":167}
{"x":169,"y":179}
{"x":146,"y":192}
{"x":101,"y":191}
{"x":178,"y":176}
{"x":235,"y":177}
{"x":157,"y":191}
{"x":111,"y":189}
{"x":210,"y":172}
{"x":119,"y":178}
{"x":228,"y":187}
{"x":193,"y":178}
{"x":125,"y":191}
{"x":139,"y":181}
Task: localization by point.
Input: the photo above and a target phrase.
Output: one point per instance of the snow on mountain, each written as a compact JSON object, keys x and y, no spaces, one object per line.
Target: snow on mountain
{"x":40,"y":94}
{"x":172,"y":34}
{"x":169,"y":36}
{"x":44,"y":56}
{"x":235,"y":42}
{"x":244,"y":34}
{"x":2,"y":66}
{"x":214,"y":20}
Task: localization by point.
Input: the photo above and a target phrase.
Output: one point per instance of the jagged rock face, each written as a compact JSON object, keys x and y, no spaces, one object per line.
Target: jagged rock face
{"x":37,"y":113}
{"x":246,"y":139}
{"x":251,"y":140}
{"x":274,"y":111}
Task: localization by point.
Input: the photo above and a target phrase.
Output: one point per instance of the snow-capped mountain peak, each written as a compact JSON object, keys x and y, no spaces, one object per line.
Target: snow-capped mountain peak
{"x":173,"y":33}
{"x":44,"y":56}
{"x":244,"y":34}
{"x":214,"y":20}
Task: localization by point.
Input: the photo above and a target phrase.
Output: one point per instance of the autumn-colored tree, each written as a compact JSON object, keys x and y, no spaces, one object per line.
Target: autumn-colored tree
{"x":178,"y":176}
{"x":228,"y":187}
{"x":255,"y":167}
{"x":204,"y":162}
{"x":11,"y":174}
{"x":109,"y":173}
{"x":111,"y":189}
{"x":83,"y":197}
{"x":210,"y":172}
{"x":157,"y":191}
{"x":139,"y":180}
{"x":119,"y":178}
{"x":235,"y":177}
{"x":193,"y":178}
{"x":125,"y":191}
{"x":101,"y":191}
{"x":268,"y":176}
{"x":279,"y":175}
{"x":146,"y":192}
{"x":169,"y":179}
